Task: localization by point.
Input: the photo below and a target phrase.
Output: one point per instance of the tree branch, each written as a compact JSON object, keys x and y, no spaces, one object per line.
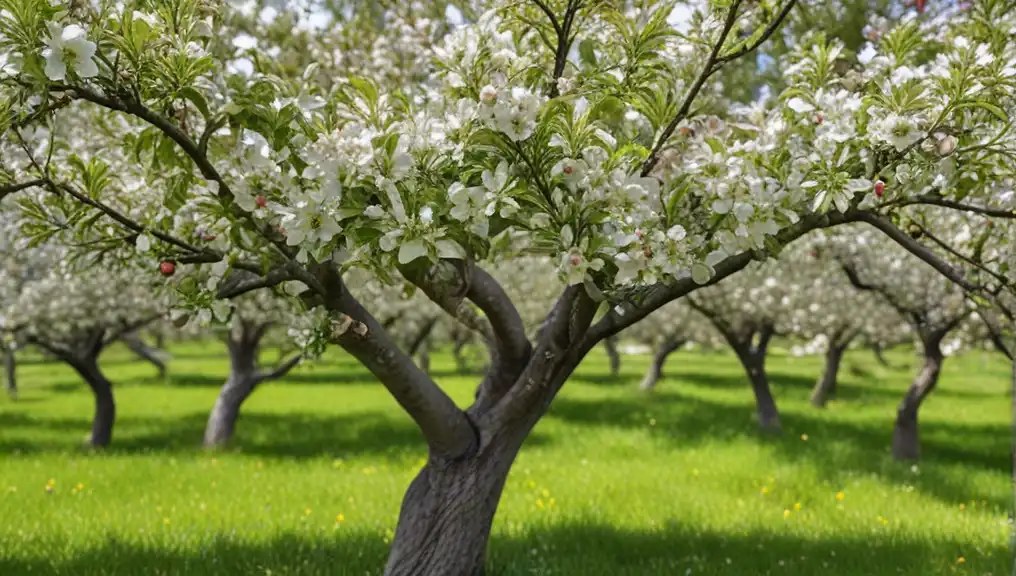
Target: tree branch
{"x":19,"y":186}
{"x":446,"y":428}
{"x":708,"y":70}
{"x":931,"y":200}
{"x":917,"y":249}
{"x":279,"y":371}
{"x":243,"y":281}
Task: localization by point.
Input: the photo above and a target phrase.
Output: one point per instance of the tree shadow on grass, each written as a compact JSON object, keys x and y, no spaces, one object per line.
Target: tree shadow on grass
{"x":295,"y":435}
{"x":836,"y":449}
{"x":570,"y":549}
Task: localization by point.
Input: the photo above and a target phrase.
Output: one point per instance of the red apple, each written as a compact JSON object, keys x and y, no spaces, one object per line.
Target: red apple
{"x":167,"y":268}
{"x":879,"y":188}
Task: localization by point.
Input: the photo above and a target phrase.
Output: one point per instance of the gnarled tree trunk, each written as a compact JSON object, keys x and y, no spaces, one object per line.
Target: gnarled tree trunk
{"x":243,"y":343}
{"x":137,"y":345}
{"x":10,"y":369}
{"x":753,"y":359}
{"x":906,"y":437}
{"x":447,"y":512}
{"x":655,"y":371}
{"x":879,"y":352}
{"x":105,"y":408}
{"x":825,"y":388}
{"x":610,"y":345}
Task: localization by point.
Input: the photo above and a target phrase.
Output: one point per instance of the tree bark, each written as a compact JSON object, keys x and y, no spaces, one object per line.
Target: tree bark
{"x":105,"y":408}
{"x":655,"y":371}
{"x":825,"y":388}
{"x":446,"y":515}
{"x":424,"y":358}
{"x":144,"y":351}
{"x":906,"y":437}
{"x":458,"y":353}
{"x":243,"y":343}
{"x":10,"y":372}
{"x":765,"y":404}
{"x":610,"y":345}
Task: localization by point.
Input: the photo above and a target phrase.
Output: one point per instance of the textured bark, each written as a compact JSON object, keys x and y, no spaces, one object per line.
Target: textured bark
{"x":610,"y":345}
{"x":458,"y":353}
{"x":144,"y":351}
{"x":243,"y":344}
{"x":825,"y":388}
{"x":753,"y":360}
{"x":105,"y":408}
{"x":242,"y":379}
{"x":906,"y":437}
{"x":424,"y":358}
{"x":446,"y":515}
{"x":10,"y":376}
{"x":655,"y":371}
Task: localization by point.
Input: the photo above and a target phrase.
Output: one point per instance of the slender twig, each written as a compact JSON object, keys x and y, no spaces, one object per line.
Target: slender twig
{"x":689,"y":98}
{"x":19,"y":186}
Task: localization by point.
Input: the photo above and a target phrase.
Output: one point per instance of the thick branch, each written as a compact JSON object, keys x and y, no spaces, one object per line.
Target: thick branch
{"x":446,"y":428}
{"x":917,"y":249}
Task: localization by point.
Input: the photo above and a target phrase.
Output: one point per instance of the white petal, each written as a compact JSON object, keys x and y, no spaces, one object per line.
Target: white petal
{"x":799,"y":105}
{"x":55,"y":67}
{"x":143,"y":243}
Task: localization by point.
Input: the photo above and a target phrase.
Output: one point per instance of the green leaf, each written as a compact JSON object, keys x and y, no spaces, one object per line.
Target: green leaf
{"x":984,"y":105}
{"x":587,"y":53}
{"x":190,"y":93}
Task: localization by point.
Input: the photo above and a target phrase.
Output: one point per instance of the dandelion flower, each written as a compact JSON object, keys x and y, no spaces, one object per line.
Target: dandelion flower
{"x":840,"y":496}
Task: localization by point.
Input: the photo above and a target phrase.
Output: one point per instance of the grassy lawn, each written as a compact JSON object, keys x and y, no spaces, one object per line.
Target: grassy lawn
{"x":612,"y":482}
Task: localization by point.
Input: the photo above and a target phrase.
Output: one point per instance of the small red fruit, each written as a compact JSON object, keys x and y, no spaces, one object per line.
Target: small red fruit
{"x":879,"y":188}
{"x":260,"y":201}
{"x":167,"y":268}
{"x":567,"y":169}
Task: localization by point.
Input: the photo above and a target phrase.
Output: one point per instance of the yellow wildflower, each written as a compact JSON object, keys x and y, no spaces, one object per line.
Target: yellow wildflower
{"x":840,"y":496}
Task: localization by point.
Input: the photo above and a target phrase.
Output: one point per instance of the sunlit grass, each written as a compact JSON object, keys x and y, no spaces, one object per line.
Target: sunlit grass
{"x":612,"y":482}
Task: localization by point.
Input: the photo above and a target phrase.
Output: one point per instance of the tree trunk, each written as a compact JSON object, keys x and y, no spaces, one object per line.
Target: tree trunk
{"x":458,"y":353}
{"x":906,"y":439}
{"x":880,"y":355}
{"x":825,"y":388}
{"x":9,"y":372}
{"x":765,"y":405}
{"x":243,"y":377}
{"x":424,"y":358}
{"x":610,"y":345}
{"x":144,"y":351}
{"x":655,"y":371}
{"x":105,"y":407}
{"x":446,"y":515}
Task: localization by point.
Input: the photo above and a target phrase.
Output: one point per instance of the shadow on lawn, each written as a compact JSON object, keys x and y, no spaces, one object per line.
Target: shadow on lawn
{"x":836,"y":449}
{"x":293,"y":435}
{"x":585,"y":549}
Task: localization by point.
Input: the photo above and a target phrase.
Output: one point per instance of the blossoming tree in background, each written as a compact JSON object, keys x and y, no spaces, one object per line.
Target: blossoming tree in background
{"x":831,"y":314}
{"x":74,"y":314}
{"x":666,"y":331}
{"x":566,"y":129}
{"x":932,"y":305}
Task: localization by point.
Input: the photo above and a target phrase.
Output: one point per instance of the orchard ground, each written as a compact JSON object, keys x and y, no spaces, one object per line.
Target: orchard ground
{"x":612,"y":482}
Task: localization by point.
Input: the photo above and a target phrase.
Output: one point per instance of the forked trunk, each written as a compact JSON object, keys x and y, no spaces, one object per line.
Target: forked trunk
{"x":144,"y":351}
{"x":610,"y":345}
{"x":446,"y":515}
{"x":765,"y":404}
{"x":105,"y":407}
{"x":655,"y":371}
{"x":906,"y":437}
{"x":825,"y":388}
{"x":243,"y":377}
{"x":10,"y":376}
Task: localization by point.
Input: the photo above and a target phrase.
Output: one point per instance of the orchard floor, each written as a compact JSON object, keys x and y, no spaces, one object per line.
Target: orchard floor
{"x":612,"y":482}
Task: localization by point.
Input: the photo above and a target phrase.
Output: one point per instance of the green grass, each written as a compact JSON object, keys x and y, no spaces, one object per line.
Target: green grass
{"x":612,"y":482}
